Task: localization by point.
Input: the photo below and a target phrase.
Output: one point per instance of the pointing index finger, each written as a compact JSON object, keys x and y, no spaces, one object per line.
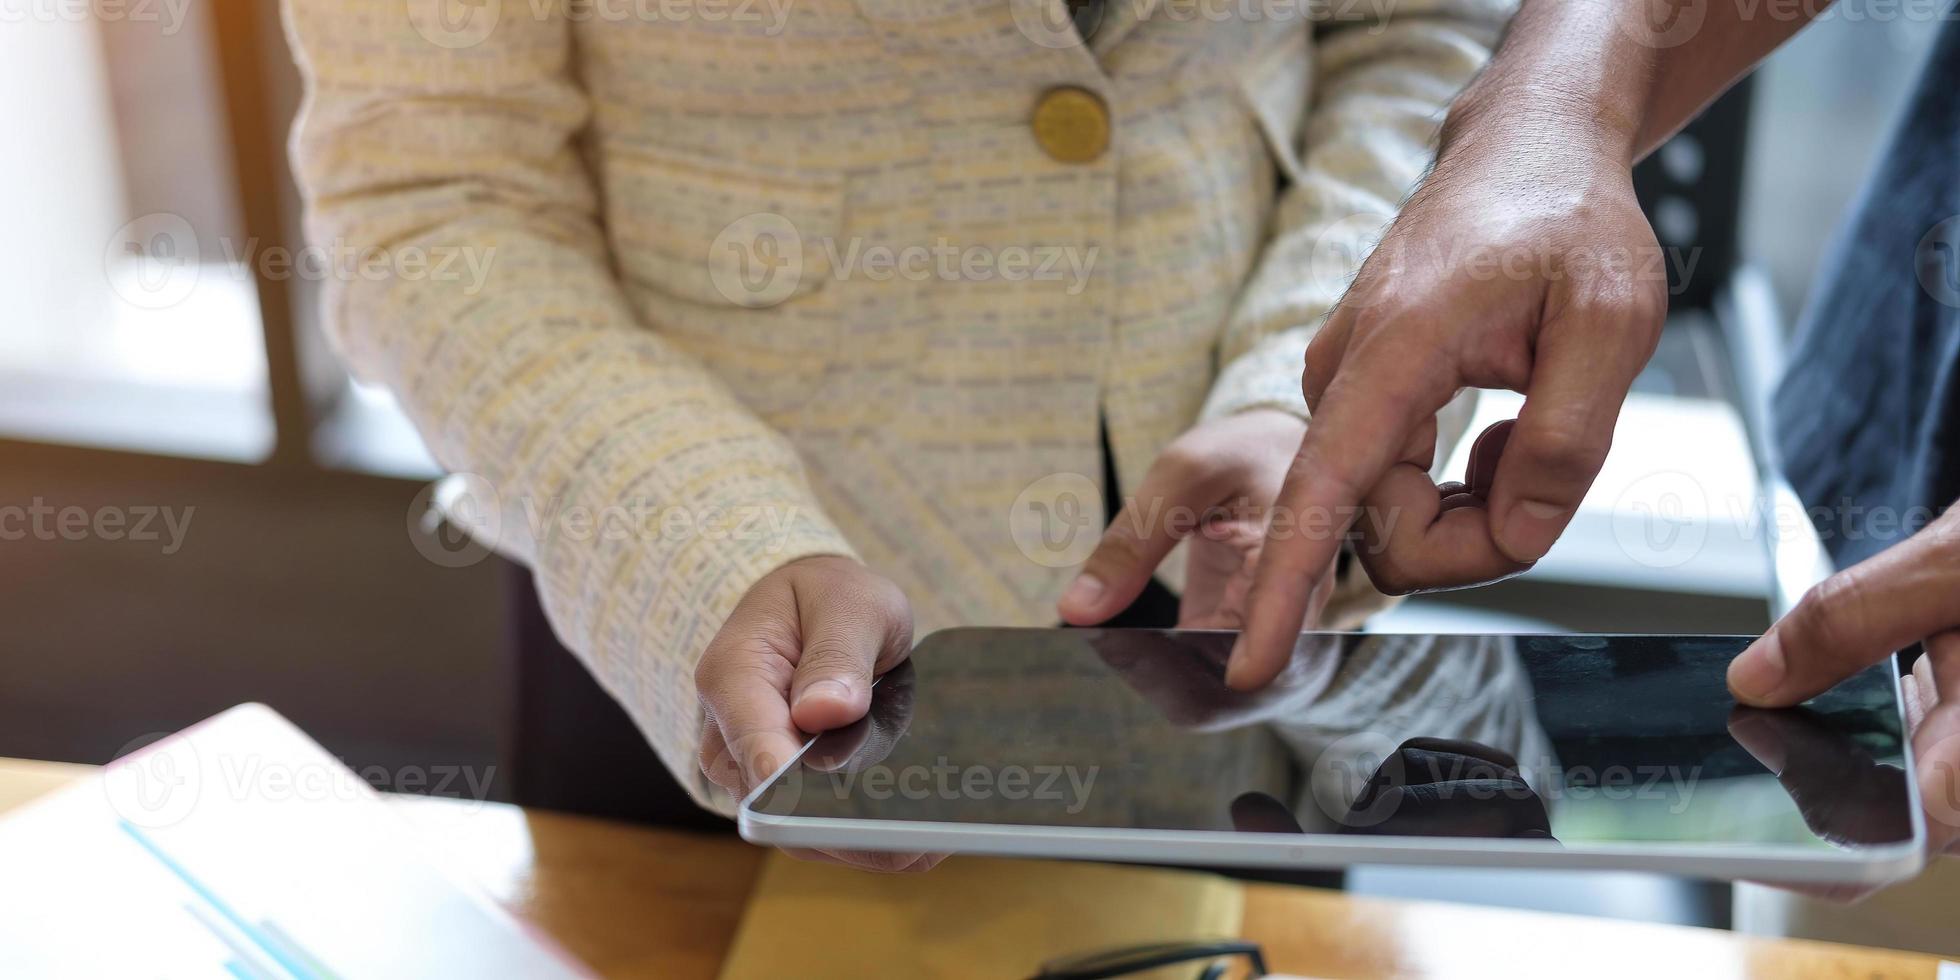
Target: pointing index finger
{"x":1365,"y":418}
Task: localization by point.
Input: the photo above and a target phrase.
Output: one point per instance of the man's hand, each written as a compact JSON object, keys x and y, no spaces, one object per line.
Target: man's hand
{"x":1522,"y":263}
{"x":1215,"y":484}
{"x":798,"y":656}
{"x":1860,"y":616}
{"x":1532,"y":271}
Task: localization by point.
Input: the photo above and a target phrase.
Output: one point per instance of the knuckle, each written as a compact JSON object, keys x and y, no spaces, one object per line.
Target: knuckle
{"x":1180,"y":469}
{"x":836,"y":655}
{"x":1647,"y":303}
{"x":901,"y":633}
{"x":882,"y":600}
{"x":708,"y":670}
{"x":1630,"y":308}
{"x":1384,"y":560}
{"x":1131,"y":542}
{"x":1945,"y":534}
{"x":1829,"y":616}
{"x":1388,"y":575}
{"x":1122,"y":546}
{"x":1566,"y":452}
{"x":1323,"y":355}
{"x":826,"y":653}
{"x":718,"y":767}
{"x":742,"y":676}
{"x":1309,"y":468}
{"x":1180,"y":463}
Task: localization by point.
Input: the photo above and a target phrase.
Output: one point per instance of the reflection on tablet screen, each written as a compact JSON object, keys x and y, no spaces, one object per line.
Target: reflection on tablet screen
{"x":1569,"y":740}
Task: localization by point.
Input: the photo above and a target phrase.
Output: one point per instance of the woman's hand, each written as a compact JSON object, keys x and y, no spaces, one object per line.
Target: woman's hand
{"x":1215,"y":485}
{"x":798,"y":656}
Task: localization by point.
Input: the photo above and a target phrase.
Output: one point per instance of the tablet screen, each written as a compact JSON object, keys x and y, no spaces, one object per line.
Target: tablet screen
{"x":1579,"y":740}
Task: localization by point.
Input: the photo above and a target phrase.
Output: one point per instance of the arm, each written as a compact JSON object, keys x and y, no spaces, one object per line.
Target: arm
{"x":542,"y":382}
{"x":1524,"y":262}
{"x":1380,"y":89}
{"x":1625,"y":74}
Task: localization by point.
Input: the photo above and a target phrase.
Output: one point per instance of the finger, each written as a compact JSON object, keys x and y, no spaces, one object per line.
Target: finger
{"x":1850,"y":621}
{"x":717,"y":763}
{"x":1260,"y":813}
{"x":1175,"y":493}
{"x":851,"y":632}
{"x":1916,"y":689}
{"x":1413,"y":539}
{"x":1942,"y":669}
{"x":1364,"y":421}
{"x":1485,"y":454}
{"x":1218,"y":574}
{"x":866,"y":742}
{"x":1936,"y":743}
{"x":1324,"y":356}
{"x":744,"y":687}
{"x":1554,"y":452}
{"x":1420,"y":448}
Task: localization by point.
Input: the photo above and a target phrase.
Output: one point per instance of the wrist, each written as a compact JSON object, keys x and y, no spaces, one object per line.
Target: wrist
{"x":1536,"y":126}
{"x":1569,"y":76}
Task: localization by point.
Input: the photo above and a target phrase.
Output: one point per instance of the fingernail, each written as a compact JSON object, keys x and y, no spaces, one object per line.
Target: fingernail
{"x":1531,"y":528}
{"x":1084,"y":591}
{"x":834,"y":690}
{"x":1758,"y":672}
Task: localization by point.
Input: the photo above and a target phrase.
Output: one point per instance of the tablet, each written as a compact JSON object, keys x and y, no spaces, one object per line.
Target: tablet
{"x":1576,"y":751}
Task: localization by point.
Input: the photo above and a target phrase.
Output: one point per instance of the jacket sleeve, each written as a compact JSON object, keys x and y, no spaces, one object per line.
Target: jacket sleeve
{"x":1382,"y":84}
{"x":1383,"y":78}
{"x":644,"y":497}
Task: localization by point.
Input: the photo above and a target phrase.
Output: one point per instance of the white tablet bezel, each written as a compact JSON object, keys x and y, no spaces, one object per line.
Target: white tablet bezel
{"x":1768,"y":863}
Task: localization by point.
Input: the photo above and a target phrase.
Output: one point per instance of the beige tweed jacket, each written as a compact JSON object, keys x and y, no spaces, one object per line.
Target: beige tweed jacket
{"x":774,"y":278}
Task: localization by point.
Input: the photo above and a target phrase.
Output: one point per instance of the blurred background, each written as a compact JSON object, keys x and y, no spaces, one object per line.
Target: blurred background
{"x":207,"y":510}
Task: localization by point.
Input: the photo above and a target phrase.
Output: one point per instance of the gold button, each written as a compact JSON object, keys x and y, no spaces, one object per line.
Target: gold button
{"x":1071,"y":124}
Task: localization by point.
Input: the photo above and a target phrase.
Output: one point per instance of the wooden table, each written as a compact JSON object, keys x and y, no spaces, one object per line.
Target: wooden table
{"x":637,"y":902}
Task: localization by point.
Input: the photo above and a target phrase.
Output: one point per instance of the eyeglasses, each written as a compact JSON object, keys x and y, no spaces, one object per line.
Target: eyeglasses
{"x":1127,"y":960}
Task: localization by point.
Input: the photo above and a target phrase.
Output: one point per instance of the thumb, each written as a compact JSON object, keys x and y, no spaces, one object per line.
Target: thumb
{"x":1165,"y":509}
{"x":1854,"y":619}
{"x":851,"y":629}
{"x":1563,"y":433}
